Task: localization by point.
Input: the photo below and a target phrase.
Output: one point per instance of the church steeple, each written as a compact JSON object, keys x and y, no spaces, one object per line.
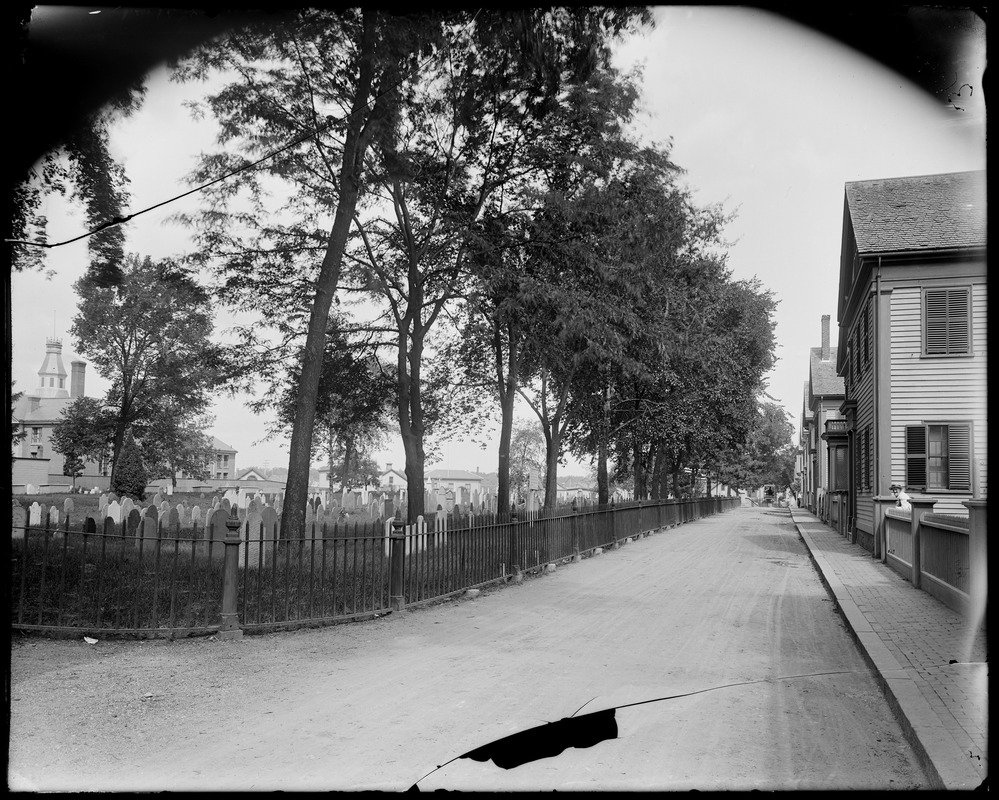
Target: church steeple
{"x":52,"y":375}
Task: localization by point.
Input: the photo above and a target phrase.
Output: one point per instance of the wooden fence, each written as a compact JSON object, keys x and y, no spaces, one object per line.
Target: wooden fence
{"x":945,"y":555}
{"x":238,"y":573}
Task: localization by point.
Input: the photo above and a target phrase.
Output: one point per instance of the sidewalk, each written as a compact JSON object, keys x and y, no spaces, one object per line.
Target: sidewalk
{"x":931,"y":666}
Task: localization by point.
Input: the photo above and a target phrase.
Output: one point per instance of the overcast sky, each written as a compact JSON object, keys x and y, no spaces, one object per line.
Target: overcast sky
{"x":767,"y":118}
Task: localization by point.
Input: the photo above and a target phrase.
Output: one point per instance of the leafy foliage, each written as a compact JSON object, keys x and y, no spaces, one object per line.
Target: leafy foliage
{"x":150,"y":337}
{"x":85,"y":432}
{"x":130,"y":477}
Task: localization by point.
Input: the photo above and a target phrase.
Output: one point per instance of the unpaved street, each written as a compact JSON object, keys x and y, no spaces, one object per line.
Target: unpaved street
{"x":727,"y":611}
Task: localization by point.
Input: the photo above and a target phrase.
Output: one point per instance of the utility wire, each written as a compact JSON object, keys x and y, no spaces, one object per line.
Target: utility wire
{"x":294,"y":142}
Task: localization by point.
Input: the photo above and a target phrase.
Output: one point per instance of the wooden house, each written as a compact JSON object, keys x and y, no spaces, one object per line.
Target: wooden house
{"x":912,"y":343}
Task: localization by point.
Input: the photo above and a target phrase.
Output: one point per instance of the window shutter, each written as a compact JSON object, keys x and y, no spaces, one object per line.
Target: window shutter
{"x":915,"y":457}
{"x":958,"y":321}
{"x":948,"y":322}
{"x":959,"y":457}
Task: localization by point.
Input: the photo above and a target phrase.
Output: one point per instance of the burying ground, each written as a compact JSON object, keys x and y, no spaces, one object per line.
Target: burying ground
{"x":379,"y":704}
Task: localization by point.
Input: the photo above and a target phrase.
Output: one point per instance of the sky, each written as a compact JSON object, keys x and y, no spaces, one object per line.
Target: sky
{"x":768,"y":118}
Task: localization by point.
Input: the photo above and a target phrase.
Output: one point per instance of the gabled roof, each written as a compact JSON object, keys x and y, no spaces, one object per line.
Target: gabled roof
{"x":219,"y":445}
{"x":923,"y":212}
{"x":823,"y":380}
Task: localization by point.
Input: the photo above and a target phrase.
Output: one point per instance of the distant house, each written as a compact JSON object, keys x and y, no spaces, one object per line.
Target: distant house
{"x":574,"y":488}
{"x":393,"y":482}
{"x":36,"y":413}
{"x":450,"y":487}
{"x":825,"y":463}
{"x":912,"y":342}
{"x":221,"y":471}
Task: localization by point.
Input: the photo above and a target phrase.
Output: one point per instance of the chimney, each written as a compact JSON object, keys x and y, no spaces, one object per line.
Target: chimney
{"x":388,"y":466}
{"x":825,"y":337}
{"x":77,"y":377}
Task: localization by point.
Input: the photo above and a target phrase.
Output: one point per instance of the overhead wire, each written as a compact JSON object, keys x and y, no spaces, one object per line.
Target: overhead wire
{"x":120,"y":220}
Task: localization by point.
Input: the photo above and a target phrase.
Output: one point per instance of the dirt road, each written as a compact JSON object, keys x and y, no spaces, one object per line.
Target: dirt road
{"x":727,"y":612}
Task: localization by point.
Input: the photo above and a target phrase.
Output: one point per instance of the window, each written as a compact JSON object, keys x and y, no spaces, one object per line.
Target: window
{"x":36,"y":435}
{"x":947,"y":321}
{"x":938,"y":457}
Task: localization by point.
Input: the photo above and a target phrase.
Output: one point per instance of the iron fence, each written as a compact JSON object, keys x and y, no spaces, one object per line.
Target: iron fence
{"x":155,"y":579}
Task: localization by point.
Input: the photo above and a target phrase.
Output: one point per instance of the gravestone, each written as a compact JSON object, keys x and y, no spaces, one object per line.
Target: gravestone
{"x":196,"y":520}
{"x":30,"y":489}
{"x":184,"y":512}
{"x":215,"y":531}
{"x":171,"y":518}
{"x":67,"y":506}
{"x":146,"y":535}
{"x":127,"y":504}
{"x":18,"y":521}
{"x":113,"y":511}
{"x":103,"y":502}
{"x":53,"y":517}
{"x":132,"y":523}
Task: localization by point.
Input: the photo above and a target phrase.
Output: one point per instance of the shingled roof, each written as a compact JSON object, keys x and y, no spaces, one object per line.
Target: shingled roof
{"x":822,"y":374}
{"x":924,"y":212}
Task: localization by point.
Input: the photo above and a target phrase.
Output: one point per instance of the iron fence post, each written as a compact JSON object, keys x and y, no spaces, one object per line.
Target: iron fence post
{"x":396,"y":567}
{"x":515,"y":572}
{"x":230,"y":579}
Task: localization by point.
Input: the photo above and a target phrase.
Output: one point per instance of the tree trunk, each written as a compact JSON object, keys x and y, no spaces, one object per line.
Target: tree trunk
{"x":355,"y":144}
{"x":507,"y":388}
{"x":639,"y":468}
{"x":603,"y":480}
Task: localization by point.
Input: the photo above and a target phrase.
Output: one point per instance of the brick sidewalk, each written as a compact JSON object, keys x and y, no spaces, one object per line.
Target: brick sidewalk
{"x":931,"y":664}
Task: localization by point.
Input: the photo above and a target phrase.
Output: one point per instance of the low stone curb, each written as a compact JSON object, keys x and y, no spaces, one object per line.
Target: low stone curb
{"x":933,"y":745}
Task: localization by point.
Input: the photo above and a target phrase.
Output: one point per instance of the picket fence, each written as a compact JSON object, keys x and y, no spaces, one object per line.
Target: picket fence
{"x":148,"y":575}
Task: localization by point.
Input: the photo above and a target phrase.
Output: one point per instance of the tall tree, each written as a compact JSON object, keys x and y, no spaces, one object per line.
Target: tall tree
{"x":353,"y":74}
{"x":319,"y":90}
{"x":151,"y":338}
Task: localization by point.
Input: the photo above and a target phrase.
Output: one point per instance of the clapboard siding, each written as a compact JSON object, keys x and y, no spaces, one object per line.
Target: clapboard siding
{"x":945,"y":390}
{"x":863,"y":392}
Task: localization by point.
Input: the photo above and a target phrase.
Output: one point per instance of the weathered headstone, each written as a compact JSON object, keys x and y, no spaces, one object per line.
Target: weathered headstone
{"x":171,"y":520}
{"x":103,"y":502}
{"x":30,"y":489}
{"x":132,"y":523}
{"x":67,"y":506}
{"x":127,"y":504}
{"x":18,"y":521}
{"x":215,"y":531}
{"x":113,"y":511}
{"x":146,"y":535}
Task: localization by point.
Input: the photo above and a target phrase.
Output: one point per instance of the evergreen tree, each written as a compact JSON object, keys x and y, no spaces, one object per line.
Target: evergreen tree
{"x":130,"y":475}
